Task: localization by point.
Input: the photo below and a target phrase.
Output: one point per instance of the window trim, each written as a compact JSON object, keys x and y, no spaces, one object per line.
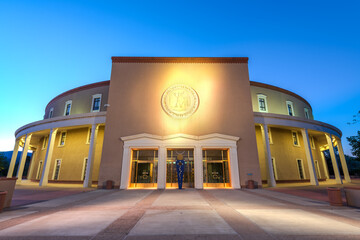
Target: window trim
{"x":83,"y":173}
{"x":297,"y":138}
{"x":270,"y":136}
{"x":66,"y":104}
{"x":312,"y":142}
{"x":303,"y":169}
{"x":39,"y":172}
{"x":99,"y":95}
{"x":292,"y":108}
{"x":45,"y":143}
{"x":307,"y":113}
{"x":265,"y":101}
{"x":51,"y":113}
{"x":88,"y":136}
{"x":317,"y":168}
{"x":53,"y":175}
{"x":61,"y":133}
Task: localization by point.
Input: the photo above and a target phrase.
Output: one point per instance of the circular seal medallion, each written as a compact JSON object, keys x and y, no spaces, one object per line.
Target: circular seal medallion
{"x":180,"y":101}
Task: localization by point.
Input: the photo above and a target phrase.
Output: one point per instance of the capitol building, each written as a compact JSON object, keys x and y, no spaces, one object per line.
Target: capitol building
{"x":155,"y":110}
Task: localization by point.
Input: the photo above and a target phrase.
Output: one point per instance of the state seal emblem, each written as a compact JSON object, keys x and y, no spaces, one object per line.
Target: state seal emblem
{"x":180,"y":101}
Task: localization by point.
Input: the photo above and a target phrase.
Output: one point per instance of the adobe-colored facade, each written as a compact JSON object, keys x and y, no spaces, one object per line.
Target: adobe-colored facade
{"x":132,"y":129}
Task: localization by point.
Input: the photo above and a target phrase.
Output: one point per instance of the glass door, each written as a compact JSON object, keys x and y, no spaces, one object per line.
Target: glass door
{"x":144,"y":168}
{"x":171,"y":173}
{"x":216,"y":168}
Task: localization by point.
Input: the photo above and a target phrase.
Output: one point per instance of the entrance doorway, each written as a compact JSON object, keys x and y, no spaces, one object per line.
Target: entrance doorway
{"x":144,"y":168}
{"x":216,"y":168}
{"x":171,"y":173}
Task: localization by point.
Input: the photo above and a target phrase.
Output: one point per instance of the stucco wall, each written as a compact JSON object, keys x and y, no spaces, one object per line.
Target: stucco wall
{"x":134,"y":98}
{"x":276,"y":102}
{"x":72,"y":155}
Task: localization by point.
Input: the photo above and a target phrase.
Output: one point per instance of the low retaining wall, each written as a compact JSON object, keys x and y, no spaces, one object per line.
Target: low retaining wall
{"x":8,"y":184}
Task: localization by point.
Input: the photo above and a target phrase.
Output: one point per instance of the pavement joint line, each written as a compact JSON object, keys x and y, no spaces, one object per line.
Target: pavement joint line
{"x":122,"y":226}
{"x":244,"y":227}
{"x":318,"y":211}
{"x":43,"y":211}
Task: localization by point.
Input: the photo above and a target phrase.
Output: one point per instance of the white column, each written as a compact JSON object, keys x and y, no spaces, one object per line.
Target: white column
{"x":343,"y":161}
{"x":265,"y":137}
{"x":333,"y":159}
{"x":13,"y":159}
{"x":23,"y":158}
{"x":125,"y":168}
{"x":31,"y":168}
{"x":234,"y":168}
{"x":50,"y":147}
{"x":161,"y":180}
{"x":325,"y":165}
{"x":91,"y":156}
{"x":198,"y":165}
{"x":309,"y":157}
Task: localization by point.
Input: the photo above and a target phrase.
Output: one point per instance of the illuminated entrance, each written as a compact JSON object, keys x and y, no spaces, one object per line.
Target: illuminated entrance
{"x":171,"y":174}
{"x":216,"y":168}
{"x":144,"y":168}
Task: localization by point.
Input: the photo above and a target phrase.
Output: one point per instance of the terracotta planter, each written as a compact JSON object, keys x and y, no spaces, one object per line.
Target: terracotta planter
{"x":251,"y":184}
{"x":335,"y":198}
{"x":109,"y":184}
{"x":2,"y":199}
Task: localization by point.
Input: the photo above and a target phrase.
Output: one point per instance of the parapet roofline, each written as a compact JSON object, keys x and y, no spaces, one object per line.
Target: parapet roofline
{"x":180,"y":59}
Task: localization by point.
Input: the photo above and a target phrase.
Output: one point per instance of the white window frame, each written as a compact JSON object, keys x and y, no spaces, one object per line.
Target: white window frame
{"x":61,"y":133}
{"x":303,"y":169}
{"x":270,"y":136}
{"x":88,"y":136}
{"x":53,"y":176}
{"x":307,"y":113}
{"x":297,"y":138}
{"x":312,"y":142}
{"x":66,"y":104}
{"x":45,"y":141}
{"x":292,"y":108}
{"x":274,"y":168}
{"x":83,"y":168}
{"x":265,"y":101}
{"x":51,"y":112}
{"x":92,"y":102}
{"x":38,"y":173}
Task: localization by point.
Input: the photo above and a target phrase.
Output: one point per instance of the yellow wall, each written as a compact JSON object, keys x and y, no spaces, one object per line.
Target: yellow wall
{"x":72,"y":155}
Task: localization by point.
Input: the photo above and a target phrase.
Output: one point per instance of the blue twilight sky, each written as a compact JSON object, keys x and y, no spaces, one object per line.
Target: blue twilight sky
{"x":309,"y":47}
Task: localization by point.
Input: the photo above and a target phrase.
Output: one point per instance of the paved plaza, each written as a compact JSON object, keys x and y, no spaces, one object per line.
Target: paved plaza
{"x":180,"y":214}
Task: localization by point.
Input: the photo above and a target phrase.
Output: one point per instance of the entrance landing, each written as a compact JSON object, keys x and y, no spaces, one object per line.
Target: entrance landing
{"x":180,"y":214}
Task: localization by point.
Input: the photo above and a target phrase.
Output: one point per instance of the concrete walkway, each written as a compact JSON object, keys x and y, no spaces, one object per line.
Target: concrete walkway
{"x":180,"y":214}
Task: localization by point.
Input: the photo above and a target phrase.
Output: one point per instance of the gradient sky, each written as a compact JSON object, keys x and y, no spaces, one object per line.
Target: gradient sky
{"x":309,"y":47}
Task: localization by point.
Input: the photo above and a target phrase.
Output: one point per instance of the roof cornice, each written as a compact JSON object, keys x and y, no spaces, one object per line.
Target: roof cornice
{"x":180,"y":59}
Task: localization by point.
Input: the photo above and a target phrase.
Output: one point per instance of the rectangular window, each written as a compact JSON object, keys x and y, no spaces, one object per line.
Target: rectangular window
{"x":270,"y":136}
{"x":84,"y":169}
{"x":274,"y":168}
{"x":317,"y":168}
{"x":295,"y":138}
{"x":57,"y":169}
{"x":62,"y":139}
{"x":51,"y":112}
{"x":88,"y":136}
{"x":96,"y":103}
{"x":67,"y":109}
{"x":38,"y":174}
{"x":45,"y":141}
{"x":312,"y":142}
{"x":262,"y":103}
{"x":307,"y":114}
{"x":290,"y":108}
{"x":300,"y":168}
